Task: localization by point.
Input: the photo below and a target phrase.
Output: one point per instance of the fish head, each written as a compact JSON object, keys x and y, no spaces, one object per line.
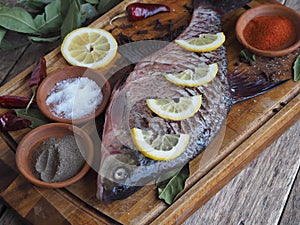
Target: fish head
{"x":115,"y":171}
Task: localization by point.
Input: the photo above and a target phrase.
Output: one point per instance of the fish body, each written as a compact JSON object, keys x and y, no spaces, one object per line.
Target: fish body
{"x":124,"y":169}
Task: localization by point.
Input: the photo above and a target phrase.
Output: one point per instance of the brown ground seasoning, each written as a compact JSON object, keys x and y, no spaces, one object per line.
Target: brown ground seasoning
{"x":57,"y":159}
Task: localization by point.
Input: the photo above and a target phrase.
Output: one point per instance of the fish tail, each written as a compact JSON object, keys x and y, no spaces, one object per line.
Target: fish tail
{"x":243,"y":86}
{"x":223,"y":6}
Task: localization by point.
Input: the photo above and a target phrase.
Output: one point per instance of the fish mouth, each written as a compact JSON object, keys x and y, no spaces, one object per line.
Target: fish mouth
{"x":117,"y":192}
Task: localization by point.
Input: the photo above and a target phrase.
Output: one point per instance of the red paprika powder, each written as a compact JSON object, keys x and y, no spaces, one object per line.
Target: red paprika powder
{"x":270,"y":32}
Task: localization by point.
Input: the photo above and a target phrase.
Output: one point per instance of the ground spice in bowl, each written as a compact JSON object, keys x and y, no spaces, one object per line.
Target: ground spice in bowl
{"x":57,"y":159}
{"x":270,"y":32}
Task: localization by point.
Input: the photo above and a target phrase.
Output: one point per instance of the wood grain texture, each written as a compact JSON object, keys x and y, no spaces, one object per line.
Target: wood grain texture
{"x":78,"y":202}
{"x":258,"y":194}
{"x":291,"y":214}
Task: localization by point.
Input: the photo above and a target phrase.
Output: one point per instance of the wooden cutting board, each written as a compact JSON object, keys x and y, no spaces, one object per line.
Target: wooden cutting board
{"x":250,"y":127}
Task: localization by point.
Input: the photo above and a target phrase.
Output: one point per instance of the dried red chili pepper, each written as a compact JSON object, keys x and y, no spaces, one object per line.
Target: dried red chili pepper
{"x":139,"y":11}
{"x":13,"y":102}
{"x":10,"y":122}
{"x":37,"y":75}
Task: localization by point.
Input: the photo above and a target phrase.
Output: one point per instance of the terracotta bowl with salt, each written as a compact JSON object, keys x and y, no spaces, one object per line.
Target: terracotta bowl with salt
{"x":53,"y":169}
{"x":73,"y":94}
{"x":277,"y":10}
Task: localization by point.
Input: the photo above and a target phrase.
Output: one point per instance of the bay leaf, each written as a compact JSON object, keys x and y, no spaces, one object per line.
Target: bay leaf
{"x":50,"y":20}
{"x":170,"y":184}
{"x":105,"y":5}
{"x":72,"y":19}
{"x":296,"y":68}
{"x":43,"y":39}
{"x":34,"y":115}
{"x":87,"y":11}
{"x":2,"y":34}
{"x":17,"y":19}
{"x":93,"y":1}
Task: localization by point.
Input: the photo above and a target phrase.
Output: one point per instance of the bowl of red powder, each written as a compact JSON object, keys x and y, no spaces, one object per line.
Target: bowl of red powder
{"x":269,"y":30}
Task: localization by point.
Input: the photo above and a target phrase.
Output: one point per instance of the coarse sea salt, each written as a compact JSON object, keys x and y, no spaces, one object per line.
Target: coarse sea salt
{"x":74,"y":98}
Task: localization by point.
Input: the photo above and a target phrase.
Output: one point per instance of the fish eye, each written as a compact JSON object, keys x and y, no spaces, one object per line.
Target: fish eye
{"x":120,"y":173}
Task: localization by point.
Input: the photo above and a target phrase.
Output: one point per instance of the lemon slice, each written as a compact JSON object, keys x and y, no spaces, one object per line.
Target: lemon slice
{"x":160,"y":147}
{"x":190,"y":78}
{"x":175,"y":109}
{"x":89,"y":47}
{"x":204,"y":43}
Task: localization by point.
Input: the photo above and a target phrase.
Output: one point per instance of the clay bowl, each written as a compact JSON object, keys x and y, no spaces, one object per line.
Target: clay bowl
{"x":71,"y":72}
{"x":35,"y":137}
{"x":269,"y":10}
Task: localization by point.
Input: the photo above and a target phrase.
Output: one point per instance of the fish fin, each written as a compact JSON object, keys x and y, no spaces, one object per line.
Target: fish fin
{"x":223,"y":6}
{"x":243,"y":86}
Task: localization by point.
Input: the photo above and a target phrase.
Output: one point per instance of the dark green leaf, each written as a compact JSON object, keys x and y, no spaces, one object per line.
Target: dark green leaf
{"x":87,"y":11}
{"x":72,"y":19}
{"x":36,"y":4}
{"x":43,"y":39}
{"x":17,"y":19}
{"x":105,"y":5}
{"x":34,"y":115}
{"x":50,"y":20}
{"x":248,"y":56}
{"x":2,"y":34}
{"x":93,"y":1}
{"x":171,"y":184}
{"x":296,"y":69}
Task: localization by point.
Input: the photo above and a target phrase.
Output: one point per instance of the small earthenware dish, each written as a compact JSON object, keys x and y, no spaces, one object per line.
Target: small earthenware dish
{"x":269,"y":10}
{"x":32,"y":140}
{"x":70,"y":72}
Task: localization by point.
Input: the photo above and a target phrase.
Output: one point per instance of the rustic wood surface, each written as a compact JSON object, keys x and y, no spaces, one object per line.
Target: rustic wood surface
{"x":266,"y":192}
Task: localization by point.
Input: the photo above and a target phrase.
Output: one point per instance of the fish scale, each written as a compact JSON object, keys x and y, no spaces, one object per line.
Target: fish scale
{"x":128,"y":108}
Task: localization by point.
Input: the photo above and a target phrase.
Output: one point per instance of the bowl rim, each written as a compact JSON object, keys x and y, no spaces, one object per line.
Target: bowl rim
{"x":106,"y":92}
{"x":30,"y":176}
{"x":269,"y":7}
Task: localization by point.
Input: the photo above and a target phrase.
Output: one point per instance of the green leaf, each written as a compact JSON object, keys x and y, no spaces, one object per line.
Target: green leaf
{"x":2,"y":34}
{"x":17,"y":19}
{"x":43,"y":39}
{"x":248,"y":56}
{"x":36,"y":4}
{"x":105,"y":5}
{"x":35,"y":115}
{"x":87,"y":11}
{"x":171,"y":184}
{"x":93,"y":1}
{"x":72,"y":19}
{"x":50,"y":20}
{"x":296,"y":69}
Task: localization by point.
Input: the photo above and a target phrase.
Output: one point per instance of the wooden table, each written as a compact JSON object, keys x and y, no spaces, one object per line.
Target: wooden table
{"x":265,"y":192}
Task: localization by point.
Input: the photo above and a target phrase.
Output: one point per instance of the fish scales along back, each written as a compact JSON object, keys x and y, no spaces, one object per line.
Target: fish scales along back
{"x":147,"y":81}
{"x":128,"y":107}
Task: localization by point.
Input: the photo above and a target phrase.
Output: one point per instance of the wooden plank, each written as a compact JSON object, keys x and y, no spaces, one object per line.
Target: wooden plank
{"x":10,"y":217}
{"x":291,"y":214}
{"x":243,"y":121}
{"x":243,"y":201}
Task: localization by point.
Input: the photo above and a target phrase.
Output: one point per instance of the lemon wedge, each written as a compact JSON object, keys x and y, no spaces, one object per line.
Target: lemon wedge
{"x":160,"y":147}
{"x":89,"y":47}
{"x":175,"y":109}
{"x":190,"y":78}
{"x":203,"y":43}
